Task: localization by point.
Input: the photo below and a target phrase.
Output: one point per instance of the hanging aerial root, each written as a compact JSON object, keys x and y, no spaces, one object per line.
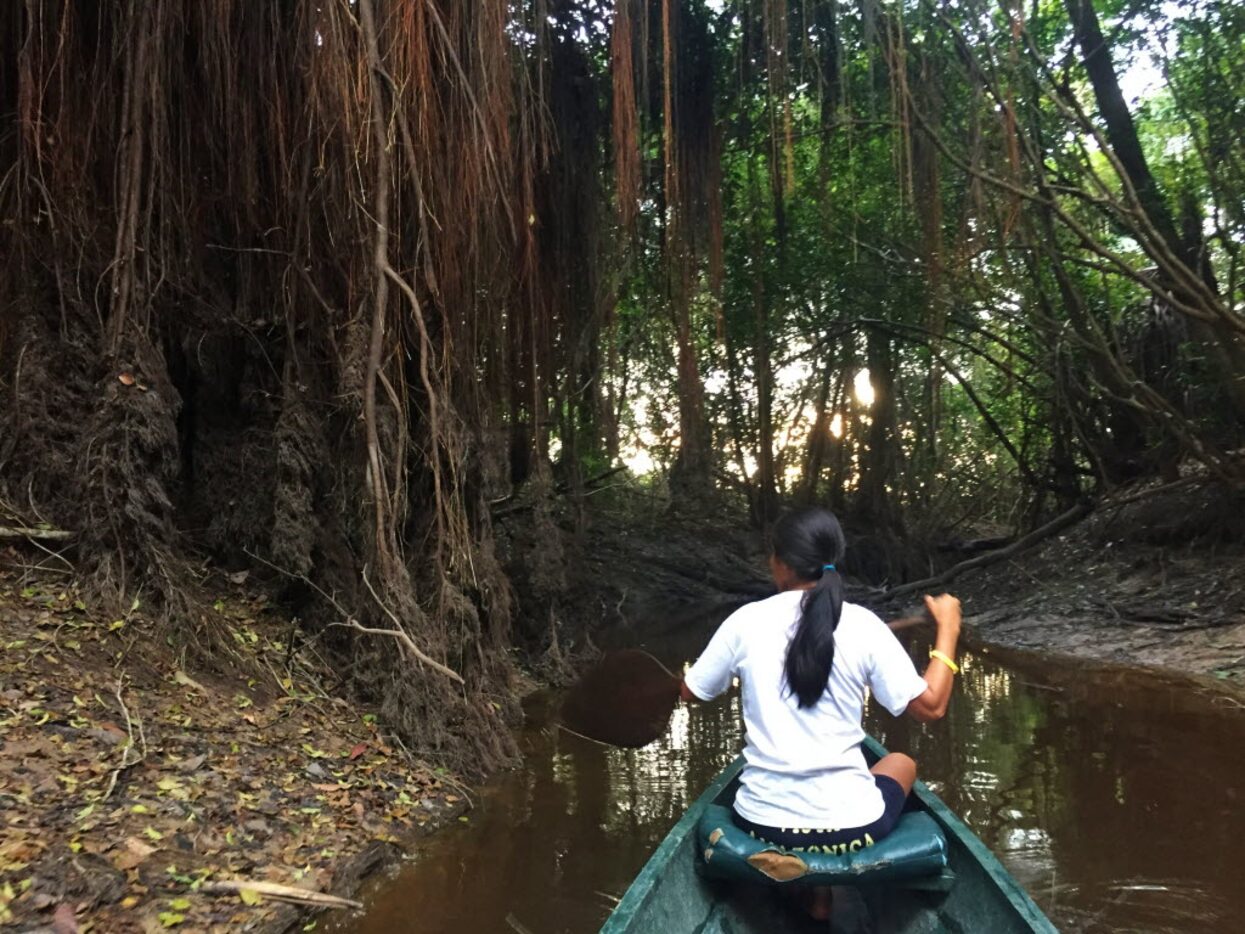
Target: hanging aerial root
{"x":626,"y":130}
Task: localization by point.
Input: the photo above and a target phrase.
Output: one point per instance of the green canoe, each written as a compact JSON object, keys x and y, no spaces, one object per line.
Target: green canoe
{"x":672,"y":895}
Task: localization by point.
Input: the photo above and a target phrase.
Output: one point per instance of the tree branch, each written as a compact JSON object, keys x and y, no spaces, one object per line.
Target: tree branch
{"x":44,"y":535}
{"x":351,"y":623}
{"x":1056,"y":525}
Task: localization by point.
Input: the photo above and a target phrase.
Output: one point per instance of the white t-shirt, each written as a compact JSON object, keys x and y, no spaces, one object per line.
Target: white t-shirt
{"x":805,"y":767}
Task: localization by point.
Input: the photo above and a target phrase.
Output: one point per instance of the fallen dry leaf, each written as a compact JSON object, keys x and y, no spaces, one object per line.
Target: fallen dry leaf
{"x":182,"y":678}
{"x":136,"y":851}
{"x":249,"y":772}
{"x":193,"y":763}
{"x":64,"y":921}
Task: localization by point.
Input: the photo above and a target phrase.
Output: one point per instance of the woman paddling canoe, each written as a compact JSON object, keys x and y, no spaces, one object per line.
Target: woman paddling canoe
{"x":805,"y":659}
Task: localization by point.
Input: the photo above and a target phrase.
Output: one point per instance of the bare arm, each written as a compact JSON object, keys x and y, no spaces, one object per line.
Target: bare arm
{"x":686,"y":693}
{"x":939,"y":677}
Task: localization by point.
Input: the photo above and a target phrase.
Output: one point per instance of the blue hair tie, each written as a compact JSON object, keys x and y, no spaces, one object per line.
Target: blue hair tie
{"x":827,"y":567}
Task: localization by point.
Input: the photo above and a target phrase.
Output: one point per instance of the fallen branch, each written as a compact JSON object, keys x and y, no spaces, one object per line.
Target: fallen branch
{"x":402,"y":636}
{"x":592,"y":481}
{"x":507,"y":506}
{"x":45,"y":535}
{"x":351,"y":623}
{"x":1056,"y":525}
{"x":282,"y":893}
{"x":406,"y":641}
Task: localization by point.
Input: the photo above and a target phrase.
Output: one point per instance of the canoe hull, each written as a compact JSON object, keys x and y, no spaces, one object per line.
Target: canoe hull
{"x":670,"y":896}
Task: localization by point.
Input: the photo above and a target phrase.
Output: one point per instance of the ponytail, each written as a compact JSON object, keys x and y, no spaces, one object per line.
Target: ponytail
{"x":810,"y":542}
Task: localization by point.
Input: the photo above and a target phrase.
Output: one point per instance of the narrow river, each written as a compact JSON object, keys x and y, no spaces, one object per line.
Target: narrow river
{"x":1114,"y":795}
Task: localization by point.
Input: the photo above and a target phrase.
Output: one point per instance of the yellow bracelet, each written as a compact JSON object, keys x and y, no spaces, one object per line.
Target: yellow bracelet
{"x":946,"y":660}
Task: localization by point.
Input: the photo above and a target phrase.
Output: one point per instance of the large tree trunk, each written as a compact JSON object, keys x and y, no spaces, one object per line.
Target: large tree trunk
{"x":1121,"y":130}
{"x":927,"y":181}
{"x":735,"y":409}
{"x":767,"y":494}
{"x":880,"y":455}
{"x":692,"y":469}
{"x":817,"y":436}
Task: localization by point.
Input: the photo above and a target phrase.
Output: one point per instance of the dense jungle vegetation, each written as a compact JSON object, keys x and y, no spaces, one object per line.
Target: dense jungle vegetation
{"x":319,"y":290}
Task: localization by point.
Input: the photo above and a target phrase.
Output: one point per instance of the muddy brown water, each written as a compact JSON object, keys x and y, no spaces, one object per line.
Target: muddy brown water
{"x":1114,"y":795}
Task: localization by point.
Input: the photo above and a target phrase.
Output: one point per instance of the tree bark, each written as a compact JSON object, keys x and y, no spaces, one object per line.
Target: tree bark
{"x":692,"y":469}
{"x":736,"y":414}
{"x":1121,"y":130}
{"x":1056,"y":525}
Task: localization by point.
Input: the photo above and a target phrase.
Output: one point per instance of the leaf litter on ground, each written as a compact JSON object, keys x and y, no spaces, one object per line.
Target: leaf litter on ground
{"x":128,"y":785}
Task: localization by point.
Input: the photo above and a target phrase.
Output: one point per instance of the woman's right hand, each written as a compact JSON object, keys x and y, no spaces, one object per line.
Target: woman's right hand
{"x":939,"y":675}
{"x":946,"y":612}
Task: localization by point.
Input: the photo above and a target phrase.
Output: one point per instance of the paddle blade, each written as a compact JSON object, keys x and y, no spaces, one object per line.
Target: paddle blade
{"x":625,"y":699}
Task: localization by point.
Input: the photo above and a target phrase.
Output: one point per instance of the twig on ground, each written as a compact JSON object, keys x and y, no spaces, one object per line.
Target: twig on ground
{"x":1155,"y":491}
{"x":125,"y":753}
{"x":401,"y":635}
{"x":1020,"y":568}
{"x":30,"y":571}
{"x":54,"y":554}
{"x":408,"y":642}
{"x":282,"y":893}
{"x":416,"y":760}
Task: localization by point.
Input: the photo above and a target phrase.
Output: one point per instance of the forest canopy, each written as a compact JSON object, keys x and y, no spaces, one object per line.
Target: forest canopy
{"x":322,"y":288}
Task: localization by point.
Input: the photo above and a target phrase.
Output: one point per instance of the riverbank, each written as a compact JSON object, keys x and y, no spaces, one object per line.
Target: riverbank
{"x":1155,"y":577}
{"x":131,"y":783}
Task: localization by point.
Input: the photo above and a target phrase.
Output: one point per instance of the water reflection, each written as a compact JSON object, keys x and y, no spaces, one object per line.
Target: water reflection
{"x":1111,"y":795}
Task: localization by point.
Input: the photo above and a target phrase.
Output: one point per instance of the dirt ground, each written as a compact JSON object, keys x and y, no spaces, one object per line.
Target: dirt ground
{"x":131,"y":783}
{"x":1157,"y":581}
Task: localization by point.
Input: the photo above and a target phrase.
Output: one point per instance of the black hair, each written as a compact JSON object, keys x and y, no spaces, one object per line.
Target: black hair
{"x":807,"y":541}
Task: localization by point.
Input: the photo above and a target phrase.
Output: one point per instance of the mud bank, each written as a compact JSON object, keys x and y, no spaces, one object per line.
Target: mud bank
{"x":130,"y":782}
{"x":1157,"y":581}
{"x":1152,"y":576}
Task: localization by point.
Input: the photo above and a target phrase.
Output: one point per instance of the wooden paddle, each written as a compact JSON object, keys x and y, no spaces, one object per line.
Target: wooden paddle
{"x":626,"y":698}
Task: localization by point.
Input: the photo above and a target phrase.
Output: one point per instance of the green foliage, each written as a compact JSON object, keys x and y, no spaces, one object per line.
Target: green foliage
{"x":952,"y":188}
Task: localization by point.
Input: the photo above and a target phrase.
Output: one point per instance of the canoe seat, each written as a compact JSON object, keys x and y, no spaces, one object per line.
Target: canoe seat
{"x":916,"y":849}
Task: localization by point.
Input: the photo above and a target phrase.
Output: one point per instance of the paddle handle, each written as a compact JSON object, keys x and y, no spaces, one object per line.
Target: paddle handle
{"x":651,"y":690}
{"x":915,"y":617}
